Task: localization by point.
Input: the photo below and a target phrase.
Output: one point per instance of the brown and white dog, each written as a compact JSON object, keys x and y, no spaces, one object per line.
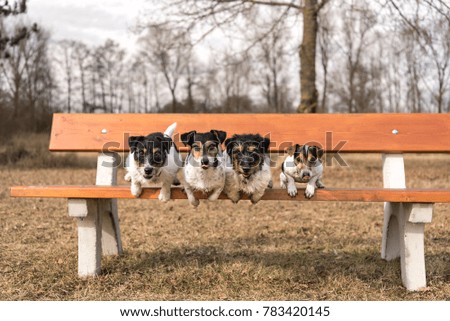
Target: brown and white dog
{"x":302,"y":165}
{"x":247,"y":167}
{"x":204,"y":167}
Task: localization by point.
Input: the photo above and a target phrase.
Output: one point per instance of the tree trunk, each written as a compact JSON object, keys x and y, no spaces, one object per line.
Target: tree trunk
{"x":309,"y":94}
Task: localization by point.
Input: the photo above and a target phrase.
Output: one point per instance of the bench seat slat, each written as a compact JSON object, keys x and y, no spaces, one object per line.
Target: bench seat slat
{"x":351,"y":195}
{"x":351,"y":133}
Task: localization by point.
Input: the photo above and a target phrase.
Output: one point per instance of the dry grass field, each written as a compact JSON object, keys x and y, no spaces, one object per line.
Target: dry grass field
{"x":220,"y":251}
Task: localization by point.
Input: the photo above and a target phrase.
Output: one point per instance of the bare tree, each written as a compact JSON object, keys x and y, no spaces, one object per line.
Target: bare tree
{"x":325,"y":42}
{"x":219,"y":13}
{"x":27,"y":73}
{"x":67,"y":62}
{"x":358,"y":21}
{"x":235,"y":80}
{"x":272,"y":54}
{"x":109,"y":60}
{"x":81,"y":56}
{"x":169,"y":51}
{"x":430,"y":21}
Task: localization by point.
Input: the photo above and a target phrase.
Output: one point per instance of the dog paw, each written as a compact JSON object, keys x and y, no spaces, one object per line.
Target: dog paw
{"x":255,"y":200}
{"x":309,"y":191}
{"x":292,"y":190}
{"x":319,"y":184}
{"x":270,"y":185}
{"x":234,"y":198}
{"x":163,"y":197}
{"x":136,"y":190}
{"x":195,"y":202}
{"x":213,"y":197}
{"x":127,"y":177}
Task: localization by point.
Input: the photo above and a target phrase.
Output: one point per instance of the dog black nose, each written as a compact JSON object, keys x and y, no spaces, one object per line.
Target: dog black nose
{"x":205,"y":161}
{"x":246,"y":169}
{"x":148,"y":170}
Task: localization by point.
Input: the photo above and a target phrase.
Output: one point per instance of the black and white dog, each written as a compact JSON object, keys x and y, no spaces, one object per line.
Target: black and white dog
{"x":153,"y":159}
{"x":302,"y":165}
{"x":204,"y":168}
{"x":247,"y":167}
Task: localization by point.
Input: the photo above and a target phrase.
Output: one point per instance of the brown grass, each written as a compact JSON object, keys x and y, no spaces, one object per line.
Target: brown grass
{"x":220,"y":251}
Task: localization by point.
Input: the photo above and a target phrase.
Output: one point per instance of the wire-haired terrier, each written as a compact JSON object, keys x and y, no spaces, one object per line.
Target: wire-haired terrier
{"x":248,"y":167}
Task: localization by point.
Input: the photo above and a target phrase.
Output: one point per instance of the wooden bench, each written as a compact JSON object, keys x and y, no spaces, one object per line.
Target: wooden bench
{"x":405,"y":211}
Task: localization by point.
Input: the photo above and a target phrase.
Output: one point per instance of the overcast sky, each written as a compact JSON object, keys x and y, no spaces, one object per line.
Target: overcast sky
{"x":92,"y":21}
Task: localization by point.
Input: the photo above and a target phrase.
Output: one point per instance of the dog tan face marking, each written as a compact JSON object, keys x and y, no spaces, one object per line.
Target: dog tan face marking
{"x":211,"y":148}
{"x":197,"y":150}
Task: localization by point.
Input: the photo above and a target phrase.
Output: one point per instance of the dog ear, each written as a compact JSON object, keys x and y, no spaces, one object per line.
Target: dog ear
{"x":319,"y":152}
{"x":229,"y":144}
{"x":188,"y":138}
{"x":134,"y":142}
{"x":264,"y":144}
{"x":221,"y":135}
{"x":294,"y":150}
{"x":166,"y":144}
{"x":291,"y":150}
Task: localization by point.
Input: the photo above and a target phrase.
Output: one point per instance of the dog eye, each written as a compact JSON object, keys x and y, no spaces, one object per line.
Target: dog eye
{"x":212,"y":150}
{"x":197,"y":149}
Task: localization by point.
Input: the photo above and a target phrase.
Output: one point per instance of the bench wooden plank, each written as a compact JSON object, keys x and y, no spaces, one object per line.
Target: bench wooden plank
{"x":360,"y":132}
{"x":351,"y":195}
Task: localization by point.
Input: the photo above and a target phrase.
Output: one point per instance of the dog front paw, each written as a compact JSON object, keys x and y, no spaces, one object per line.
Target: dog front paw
{"x":319,"y":184}
{"x":136,"y":190}
{"x":195,"y":202}
{"x":213,"y":197}
{"x":270,"y":185}
{"x":234,"y":197}
{"x":309,"y":191}
{"x":127,"y":177}
{"x":255,"y":199}
{"x":164,"y":197}
{"x":292,"y":190}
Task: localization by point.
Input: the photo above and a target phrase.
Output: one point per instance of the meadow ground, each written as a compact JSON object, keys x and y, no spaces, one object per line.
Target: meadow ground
{"x":220,"y":251}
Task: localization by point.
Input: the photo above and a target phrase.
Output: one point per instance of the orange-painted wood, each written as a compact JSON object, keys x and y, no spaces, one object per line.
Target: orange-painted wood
{"x":355,"y":132}
{"x":350,"y":195}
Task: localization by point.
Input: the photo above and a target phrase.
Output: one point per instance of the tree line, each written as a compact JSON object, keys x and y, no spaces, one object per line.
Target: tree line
{"x":234,"y":56}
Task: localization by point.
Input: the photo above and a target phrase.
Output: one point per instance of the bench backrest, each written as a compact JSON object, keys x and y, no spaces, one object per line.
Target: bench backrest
{"x":362,"y":133}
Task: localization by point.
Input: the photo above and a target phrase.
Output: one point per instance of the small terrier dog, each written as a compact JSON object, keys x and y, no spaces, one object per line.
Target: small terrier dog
{"x":248,"y":167}
{"x":302,"y":165}
{"x":204,"y":168}
{"x":153,"y":159}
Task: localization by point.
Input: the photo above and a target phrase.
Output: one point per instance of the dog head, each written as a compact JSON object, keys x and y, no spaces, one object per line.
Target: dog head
{"x":247,"y":153}
{"x":310,"y":155}
{"x":150,"y":152}
{"x":205,"y":147}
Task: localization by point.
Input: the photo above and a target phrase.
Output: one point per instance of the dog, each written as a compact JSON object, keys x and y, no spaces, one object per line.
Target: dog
{"x":247,"y":167}
{"x":302,"y":165}
{"x":153,"y":160}
{"x":204,"y":168}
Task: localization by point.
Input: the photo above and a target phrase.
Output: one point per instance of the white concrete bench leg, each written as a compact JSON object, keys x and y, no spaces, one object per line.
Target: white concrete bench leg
{"x":393,"y":177}
{"x":87,"y":212}
{"x":403,"y":228}
{"x":412,"y":248}
{"x":107,"y":164}
{"x":404,"y":238}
